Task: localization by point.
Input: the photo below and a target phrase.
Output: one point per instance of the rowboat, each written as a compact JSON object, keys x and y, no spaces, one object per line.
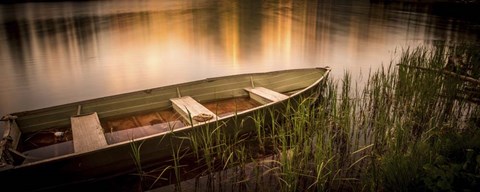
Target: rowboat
{"x":91,"y":139}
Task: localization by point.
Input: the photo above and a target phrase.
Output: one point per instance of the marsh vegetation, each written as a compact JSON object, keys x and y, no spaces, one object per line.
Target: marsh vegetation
{"x":414,"y":126}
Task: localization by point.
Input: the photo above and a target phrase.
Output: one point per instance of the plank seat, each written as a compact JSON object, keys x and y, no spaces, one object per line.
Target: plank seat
{"x":87,"y":133}
{"x":11,"y":131}
{"x":188,"y":107}
{"x":264,"y":95}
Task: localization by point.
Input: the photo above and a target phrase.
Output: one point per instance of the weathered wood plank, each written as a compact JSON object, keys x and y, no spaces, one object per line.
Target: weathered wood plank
{"x":264,"y":95}
{"x":87,"y":133}
{"x":188,"y":107}
{"x":11,"y":130}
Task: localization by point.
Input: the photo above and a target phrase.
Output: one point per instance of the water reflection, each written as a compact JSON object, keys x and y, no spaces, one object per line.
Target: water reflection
{"x":55,"y":53}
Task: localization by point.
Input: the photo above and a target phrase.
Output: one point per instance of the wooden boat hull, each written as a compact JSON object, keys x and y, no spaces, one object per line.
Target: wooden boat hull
{"x":116,"y":159}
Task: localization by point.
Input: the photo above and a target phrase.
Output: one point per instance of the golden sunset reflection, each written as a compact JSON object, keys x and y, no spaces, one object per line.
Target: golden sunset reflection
{"x":54,"y":53}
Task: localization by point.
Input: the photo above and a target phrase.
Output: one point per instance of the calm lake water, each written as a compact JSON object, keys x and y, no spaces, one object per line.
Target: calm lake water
{"x":55,"y":53}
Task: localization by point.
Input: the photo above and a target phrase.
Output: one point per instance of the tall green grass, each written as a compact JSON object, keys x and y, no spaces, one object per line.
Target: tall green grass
{"x":407,"y":129}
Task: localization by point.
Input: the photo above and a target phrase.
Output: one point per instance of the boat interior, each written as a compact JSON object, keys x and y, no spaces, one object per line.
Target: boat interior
{"x":59,"y":141}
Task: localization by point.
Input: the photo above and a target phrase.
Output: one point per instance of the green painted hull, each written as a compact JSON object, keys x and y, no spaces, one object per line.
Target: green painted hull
{"x":116,"y":158}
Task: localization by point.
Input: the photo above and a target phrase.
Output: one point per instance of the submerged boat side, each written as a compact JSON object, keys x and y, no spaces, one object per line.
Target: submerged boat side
{"x":115,"y":157}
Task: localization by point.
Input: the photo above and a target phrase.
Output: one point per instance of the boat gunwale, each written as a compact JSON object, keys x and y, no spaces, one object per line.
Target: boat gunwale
{"x":86,"y":101}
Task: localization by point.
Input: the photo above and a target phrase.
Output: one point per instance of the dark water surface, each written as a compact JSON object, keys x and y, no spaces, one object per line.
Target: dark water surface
{"x":54,"y":53}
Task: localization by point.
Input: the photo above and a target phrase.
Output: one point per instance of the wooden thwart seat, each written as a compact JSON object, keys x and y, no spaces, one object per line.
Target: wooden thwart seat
{"x":87,"y":133}
{"x":9,"y":141}
{"x":264,"y":95}
{"x":11,"y":130}
{"x":188,"y":107}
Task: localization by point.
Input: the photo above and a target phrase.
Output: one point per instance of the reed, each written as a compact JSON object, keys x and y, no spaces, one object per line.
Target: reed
{"x":422,"y":106}
{"x":404,"y":130}
{"x":135,"y":154}
{"x":176,"y":167}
